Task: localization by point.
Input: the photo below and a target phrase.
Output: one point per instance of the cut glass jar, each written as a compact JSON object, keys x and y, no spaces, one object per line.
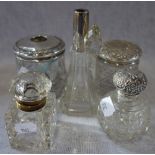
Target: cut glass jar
{"x":31,"y":118}
{"x":124,"y":114}
{"x":114,"y":55}
{"x":42,"y":53}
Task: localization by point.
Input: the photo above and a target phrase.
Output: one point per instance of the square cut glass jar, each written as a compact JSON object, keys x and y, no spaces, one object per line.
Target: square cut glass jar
{"x":42,"y":53}
{"x":31,"y":117}
{"x":31,"y":132}
{"x":114,"y":55}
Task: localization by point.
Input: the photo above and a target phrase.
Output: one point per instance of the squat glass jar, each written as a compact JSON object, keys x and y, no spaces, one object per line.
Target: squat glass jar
{"x":42,"y":53}
{"x":114,"y":55}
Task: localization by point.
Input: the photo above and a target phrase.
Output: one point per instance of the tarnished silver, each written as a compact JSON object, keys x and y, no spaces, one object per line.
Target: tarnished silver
{"x":39,"y":47}
{"x":130,"y":82}
{"x":120,"y":52}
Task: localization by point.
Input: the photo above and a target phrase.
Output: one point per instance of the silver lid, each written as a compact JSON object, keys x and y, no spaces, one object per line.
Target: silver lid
{"x":39,"y":47}
{"x":120,"y":52}
{"x":130,"y":82}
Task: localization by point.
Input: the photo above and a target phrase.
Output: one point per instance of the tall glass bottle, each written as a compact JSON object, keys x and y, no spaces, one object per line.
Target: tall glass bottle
{"x":77,"y":98}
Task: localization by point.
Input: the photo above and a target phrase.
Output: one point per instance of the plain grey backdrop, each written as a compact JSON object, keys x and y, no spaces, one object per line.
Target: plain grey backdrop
{"x":133,"y":21}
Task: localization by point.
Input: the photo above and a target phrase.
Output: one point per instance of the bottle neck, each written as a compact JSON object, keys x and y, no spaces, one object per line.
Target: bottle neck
{"x":125,"y":98}
{"x":78,"y":42}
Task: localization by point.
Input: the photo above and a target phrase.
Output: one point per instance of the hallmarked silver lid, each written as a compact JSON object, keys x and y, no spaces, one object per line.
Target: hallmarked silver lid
{"x":120,"y":52}
{"x":39,"y":47}
{"x":130,"y":82}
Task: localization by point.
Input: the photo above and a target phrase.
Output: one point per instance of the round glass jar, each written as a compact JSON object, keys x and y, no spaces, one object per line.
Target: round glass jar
{"x":42,"y":53}
{"x":114,"y":55}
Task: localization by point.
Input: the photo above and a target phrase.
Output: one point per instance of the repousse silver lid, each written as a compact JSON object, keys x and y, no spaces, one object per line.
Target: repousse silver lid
{"x":39,"y":47}
{"x":120,"y":52}
{"x":130,"y":82}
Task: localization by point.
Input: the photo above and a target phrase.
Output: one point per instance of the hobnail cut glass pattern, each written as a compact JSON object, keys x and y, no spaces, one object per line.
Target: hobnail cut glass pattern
{"x":124,"y":119}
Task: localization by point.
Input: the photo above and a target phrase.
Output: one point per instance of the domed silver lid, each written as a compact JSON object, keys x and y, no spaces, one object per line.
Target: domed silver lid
{"x":130,"y":82}
{"x":40,"y":47}
{"x":120,"y":52}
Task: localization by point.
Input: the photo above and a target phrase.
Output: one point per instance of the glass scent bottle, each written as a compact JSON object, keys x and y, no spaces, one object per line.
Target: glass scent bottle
{"x":124,"y":113}
{"x":77,"y":97}
{"x":42,"y":53}
{"x":114,"y":55}
{"x":31,"y":118}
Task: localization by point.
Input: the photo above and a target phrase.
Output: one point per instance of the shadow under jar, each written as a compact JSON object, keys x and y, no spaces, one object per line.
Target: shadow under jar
{"x":42,"y":53}
{"x":114,"y":55}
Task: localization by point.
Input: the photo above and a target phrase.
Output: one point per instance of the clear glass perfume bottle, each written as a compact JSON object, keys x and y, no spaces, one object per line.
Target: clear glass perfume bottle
{"x":77,"y":98}
{"x":31,"y":118}
{"x":124,"y":113}
{"x":114,"y":55}
{"x":42,"y":53}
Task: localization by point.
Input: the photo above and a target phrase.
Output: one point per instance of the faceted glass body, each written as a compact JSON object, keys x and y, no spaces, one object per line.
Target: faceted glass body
{"x":31,"y":131}
{"x":31,"y":118}
{"x":124,"y":118}
{"x":77,"y":98}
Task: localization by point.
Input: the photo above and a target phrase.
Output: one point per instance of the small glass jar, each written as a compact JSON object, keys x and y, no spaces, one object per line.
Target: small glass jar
{"x":31,"y":118}
{"x":114,"y":55}
{"x":42,"y":53}
{"x":124,"y":114}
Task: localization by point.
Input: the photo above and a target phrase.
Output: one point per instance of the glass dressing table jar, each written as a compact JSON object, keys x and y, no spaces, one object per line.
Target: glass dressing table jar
{"x":124,"y":114}
{"x":114,"y":55}
{"x":42,"y":53}
{"x":31,"y":118}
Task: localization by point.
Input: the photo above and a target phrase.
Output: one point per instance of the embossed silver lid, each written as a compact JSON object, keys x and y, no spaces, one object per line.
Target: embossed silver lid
{"x":40,"y":47}
{"x":120,"y":52}
{"x":130,"y":82}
